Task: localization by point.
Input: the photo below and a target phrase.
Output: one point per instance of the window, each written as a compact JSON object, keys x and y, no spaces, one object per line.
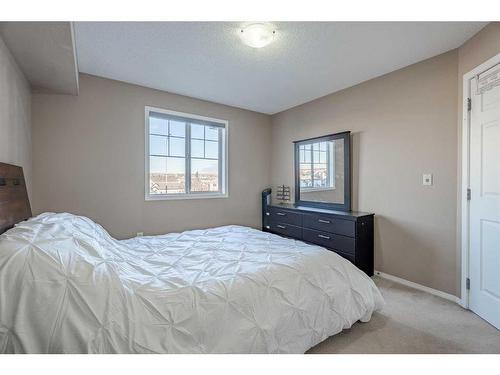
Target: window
{"x":317,"y":166}
{"x":185,"y":155}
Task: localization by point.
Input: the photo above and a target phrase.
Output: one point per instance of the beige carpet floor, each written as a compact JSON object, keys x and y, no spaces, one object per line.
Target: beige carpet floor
{"x":415,"y":322}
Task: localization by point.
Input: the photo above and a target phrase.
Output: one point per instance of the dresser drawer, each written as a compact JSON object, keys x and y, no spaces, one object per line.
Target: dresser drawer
{"x":341,"y":243}
{"x":329,"y":224}
{"x":286,"y":230}
{"x":283,"y":216}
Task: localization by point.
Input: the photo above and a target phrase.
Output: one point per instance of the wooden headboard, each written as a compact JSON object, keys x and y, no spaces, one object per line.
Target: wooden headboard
{"x":14,"y":202}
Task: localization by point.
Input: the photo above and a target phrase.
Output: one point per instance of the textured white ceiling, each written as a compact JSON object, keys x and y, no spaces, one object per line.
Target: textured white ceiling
{"x":307,"y":60}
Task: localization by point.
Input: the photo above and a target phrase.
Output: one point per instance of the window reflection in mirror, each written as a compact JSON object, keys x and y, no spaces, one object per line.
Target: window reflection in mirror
{"x":321,"y":171}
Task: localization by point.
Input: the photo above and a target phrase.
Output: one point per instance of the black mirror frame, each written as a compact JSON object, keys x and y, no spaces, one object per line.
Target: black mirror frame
{"x":346,"y":206}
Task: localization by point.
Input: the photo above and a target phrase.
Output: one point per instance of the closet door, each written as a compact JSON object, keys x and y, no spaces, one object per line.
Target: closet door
{"x":484,"y":253}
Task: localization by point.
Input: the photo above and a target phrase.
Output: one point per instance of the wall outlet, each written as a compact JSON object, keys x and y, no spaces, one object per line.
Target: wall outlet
{"x":140,"y":234}
{"x":427,"y":179}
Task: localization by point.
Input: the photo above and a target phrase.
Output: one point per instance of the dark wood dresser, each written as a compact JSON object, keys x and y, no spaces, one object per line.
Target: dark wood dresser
{"x":349,"y":234}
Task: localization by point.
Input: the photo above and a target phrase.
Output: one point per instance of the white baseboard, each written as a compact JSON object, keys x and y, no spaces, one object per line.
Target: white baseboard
{"x":411,"y":284}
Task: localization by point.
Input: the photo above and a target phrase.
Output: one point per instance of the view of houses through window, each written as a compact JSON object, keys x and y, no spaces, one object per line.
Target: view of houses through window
{"x":316,"y":162}
{"x":185,"y":155}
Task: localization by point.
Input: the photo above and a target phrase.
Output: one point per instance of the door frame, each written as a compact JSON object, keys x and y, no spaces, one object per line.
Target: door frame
{"x":465,"y":176}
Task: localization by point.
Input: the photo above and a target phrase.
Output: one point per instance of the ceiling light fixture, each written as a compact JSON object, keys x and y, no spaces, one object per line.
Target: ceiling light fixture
{"x":257,"y":35}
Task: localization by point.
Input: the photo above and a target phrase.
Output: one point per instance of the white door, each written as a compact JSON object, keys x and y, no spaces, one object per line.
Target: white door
{"x":484,"y":253}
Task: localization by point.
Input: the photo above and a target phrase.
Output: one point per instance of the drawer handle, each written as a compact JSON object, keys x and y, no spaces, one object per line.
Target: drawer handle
{"x":324,"y":221}
{"x":267,"y":213}
{"x":281,"y":226}
{"x":280,"y":214}
{"x":323,"y":236}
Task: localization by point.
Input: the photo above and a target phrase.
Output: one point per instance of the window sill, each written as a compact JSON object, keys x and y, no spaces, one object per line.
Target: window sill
{"x":312,"y":190}
{"x":164,"y":197}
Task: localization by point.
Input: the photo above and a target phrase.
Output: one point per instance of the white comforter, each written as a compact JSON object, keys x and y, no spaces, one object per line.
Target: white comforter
{"x":67,"y":286}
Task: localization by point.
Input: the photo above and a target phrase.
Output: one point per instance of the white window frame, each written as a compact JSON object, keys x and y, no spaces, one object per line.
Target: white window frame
{"x":224,"y":193}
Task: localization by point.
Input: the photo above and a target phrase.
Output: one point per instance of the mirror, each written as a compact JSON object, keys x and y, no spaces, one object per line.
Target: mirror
{"x":322,"y":172}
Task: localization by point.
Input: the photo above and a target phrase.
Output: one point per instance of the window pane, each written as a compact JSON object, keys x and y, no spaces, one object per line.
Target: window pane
{"x":305,"y":182}
{"x":197,"y":131}
{"x":157,"y":183}
{"x":307,"y":155}
{"x":176,"y":176}
{"x":204,"y":175}
{"x":315,"y":146}
{"x":211,"y":133}
{"x":322,"y":157}
{"x":157,"y":126}
{"x":197,"y":150}
{"x":316,"y":156}
{"x":320,"y":175}
{"x":177,"y":128}
{"x":158,"y":145}
{"x":157,"y":175}
{"x":305,"y":175}
{"x":157,"y":164}
{"x":301,"y":155}
{"x":211,"y":149}
{"x":322,"y":146}
{"x":177,"y":146}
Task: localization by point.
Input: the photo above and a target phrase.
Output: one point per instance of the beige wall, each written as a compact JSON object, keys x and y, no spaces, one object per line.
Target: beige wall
{"x":403,"y":124}
{"x":15,"y":115}
{"x":481,"y":47}
{"x":89,"y":159}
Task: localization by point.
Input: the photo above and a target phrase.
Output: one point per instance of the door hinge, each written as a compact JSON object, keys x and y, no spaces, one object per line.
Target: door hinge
{"x":469,"y":104}
{"x":469,"y":194}
{"x":467,"y":283}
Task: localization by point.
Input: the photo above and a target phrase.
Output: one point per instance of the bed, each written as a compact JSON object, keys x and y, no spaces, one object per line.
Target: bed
{"x":67,"y":286}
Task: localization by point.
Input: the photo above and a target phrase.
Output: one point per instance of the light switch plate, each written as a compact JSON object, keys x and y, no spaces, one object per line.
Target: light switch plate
{"x":427,"y":179}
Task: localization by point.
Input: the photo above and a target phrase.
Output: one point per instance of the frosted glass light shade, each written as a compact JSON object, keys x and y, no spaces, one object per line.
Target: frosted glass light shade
{"x":257,"y":35}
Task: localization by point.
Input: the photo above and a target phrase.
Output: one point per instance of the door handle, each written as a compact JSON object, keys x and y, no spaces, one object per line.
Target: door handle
{"x":281,"y":226}
{"x":280,"y":214}
{"x":324,"y":221}
{"x":323,"y":236}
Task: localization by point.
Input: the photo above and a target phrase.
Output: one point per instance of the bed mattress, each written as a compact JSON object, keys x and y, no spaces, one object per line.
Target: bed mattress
{"x":67,"y":286}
